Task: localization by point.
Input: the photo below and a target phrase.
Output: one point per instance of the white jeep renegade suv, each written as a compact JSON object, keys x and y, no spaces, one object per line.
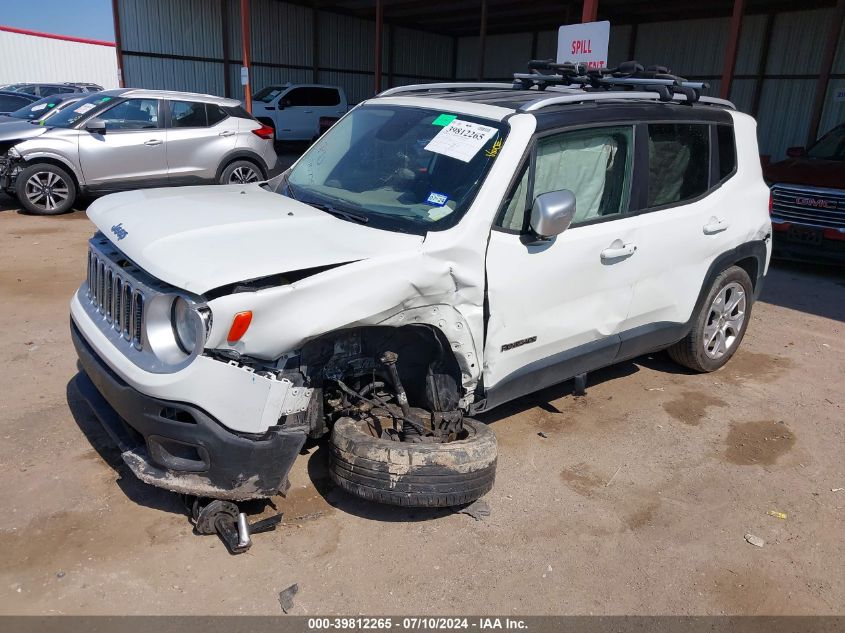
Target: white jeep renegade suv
{"x":441,"y":250}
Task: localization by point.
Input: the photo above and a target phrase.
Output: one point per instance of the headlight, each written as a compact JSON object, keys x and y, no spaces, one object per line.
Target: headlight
{"x":190,"y":326}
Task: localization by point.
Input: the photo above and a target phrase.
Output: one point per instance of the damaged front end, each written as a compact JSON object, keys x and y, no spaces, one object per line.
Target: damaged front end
{"x":10,"y":166}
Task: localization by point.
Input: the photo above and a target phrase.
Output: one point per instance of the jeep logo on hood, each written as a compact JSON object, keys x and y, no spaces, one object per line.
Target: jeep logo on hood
{"x":816,"y":202}
{"x":119,"y":231}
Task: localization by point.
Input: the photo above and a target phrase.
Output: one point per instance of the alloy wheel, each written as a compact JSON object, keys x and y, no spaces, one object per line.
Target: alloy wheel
{"x":724,"y":321}
{"x":243,"y":175}
{"x":46,"y":190}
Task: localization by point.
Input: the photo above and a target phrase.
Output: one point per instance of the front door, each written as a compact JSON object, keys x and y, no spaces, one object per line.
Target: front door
{"x":131,"y":152}
{"x":556,"y":307}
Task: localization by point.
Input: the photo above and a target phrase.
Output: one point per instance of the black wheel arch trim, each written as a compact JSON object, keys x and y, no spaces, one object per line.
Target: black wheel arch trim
{"x":242,"y":154}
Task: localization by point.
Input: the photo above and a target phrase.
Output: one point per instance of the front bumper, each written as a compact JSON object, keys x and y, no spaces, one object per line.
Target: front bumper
{"x":824,"y":251}
{"x":180,"y":447}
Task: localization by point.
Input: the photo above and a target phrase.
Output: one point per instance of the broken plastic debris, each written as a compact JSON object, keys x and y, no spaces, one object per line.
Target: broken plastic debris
{"x":776,"y":514}
{"x":286,"y":597}
{"x":837,"y":489}
{"x":541,"y":434}
{"x":756,"y":541}
{"x":477,"y":509}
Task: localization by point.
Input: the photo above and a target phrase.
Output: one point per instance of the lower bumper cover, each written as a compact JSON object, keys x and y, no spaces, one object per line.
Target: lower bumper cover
{"x":827,"y":251}
{"x":179,"y":447}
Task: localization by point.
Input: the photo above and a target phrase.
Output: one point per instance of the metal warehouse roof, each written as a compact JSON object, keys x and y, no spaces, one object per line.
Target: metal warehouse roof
{"x":461,"y":17}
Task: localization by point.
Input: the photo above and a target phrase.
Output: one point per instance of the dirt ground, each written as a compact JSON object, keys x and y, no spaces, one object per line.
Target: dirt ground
{"x":636,"y":501}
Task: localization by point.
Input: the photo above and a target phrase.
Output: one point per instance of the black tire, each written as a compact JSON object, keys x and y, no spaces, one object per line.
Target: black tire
{"x":45,"y":189}
{"x":413,"y":474}
{"x":231,"y":173}
{"x":691,"y":350}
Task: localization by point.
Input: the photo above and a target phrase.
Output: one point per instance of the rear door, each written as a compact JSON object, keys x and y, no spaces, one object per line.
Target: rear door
{"x":686,"y":222}
{"x":198,"y":136}
{"x":131,"y":152}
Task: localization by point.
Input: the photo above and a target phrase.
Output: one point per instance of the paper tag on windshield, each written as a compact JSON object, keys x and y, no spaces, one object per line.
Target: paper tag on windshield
{"x":84,"y":108}
{"x":38,"y":108}
{"x":461,"y":140}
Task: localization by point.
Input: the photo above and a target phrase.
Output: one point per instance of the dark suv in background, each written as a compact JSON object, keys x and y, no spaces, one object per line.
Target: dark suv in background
{"x":808,"y":200}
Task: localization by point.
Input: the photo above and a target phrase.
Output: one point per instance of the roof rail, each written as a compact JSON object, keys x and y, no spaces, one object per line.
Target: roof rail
{"x":558,"y":99}
{"x":475,"y":85}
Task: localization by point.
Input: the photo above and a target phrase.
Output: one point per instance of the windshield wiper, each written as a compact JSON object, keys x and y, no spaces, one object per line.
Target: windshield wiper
{"x":344,"y":215}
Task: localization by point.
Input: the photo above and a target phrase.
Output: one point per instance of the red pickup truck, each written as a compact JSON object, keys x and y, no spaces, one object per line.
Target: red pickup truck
{"x":807,"y":204}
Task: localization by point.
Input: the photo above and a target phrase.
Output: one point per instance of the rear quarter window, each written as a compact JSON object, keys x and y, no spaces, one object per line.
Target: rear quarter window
{"x":727,"y":151}
{"x":678,"y":162}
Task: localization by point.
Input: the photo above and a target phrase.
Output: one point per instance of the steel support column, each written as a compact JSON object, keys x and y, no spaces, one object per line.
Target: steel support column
{"x":247,"y":45}
{"x":591,"y":11}
{"x":834,"y":29}
{"x":315,"y":43}
{"x":224,"y":21}
{"x":482,"y":39}
{"x":379,"y":25}
{"x":118,"y":42}
{"x":732,"y":48}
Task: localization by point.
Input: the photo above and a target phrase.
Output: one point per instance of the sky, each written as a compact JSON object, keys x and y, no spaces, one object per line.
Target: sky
{"x":80,"y":18}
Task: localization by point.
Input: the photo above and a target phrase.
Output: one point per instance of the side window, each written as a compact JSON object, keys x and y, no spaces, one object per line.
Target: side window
{"x":297,"y":97}
{"x":727,"y":151}
{"x":678,"y":162}
{"x":187,"y":114}
{"x":513,"y":214}
{"x":215,"y":113}
{"x":325,"y":97}
{"x":132,"y":114}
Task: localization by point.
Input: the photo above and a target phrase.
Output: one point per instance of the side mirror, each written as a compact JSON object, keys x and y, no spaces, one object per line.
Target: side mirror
{"x":552,"y":213}
{"x":796,"y":152}
{"x":96,"y":126}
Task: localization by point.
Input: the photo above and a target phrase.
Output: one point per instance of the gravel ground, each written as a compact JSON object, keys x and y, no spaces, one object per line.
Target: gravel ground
{"x":636,"y":501}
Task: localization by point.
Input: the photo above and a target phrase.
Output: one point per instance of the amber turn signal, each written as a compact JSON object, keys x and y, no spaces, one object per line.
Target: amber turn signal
{"x":240,"y":324}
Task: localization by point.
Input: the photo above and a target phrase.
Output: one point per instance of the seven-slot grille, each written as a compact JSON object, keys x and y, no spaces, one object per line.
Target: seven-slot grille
{"x":112,"y":294}
{"x":818,"y":207}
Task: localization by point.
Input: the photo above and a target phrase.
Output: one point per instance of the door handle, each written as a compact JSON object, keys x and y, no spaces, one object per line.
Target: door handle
{"x":308,"y":111}
{"x":715,"y":225}
{"x":617,"y":250}
{"x":227,"y":133}
{"x":152,"y":142}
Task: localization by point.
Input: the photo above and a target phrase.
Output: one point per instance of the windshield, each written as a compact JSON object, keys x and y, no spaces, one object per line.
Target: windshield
{"x":400,"y":168}
{"x":37,"y":110}
{"x":83,"y":108}
{"x":266,"y":95}
{"x":831,"y":146}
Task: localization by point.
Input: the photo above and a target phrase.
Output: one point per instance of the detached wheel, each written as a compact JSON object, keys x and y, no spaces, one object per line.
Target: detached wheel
{"x":720,"y":325}
{"x":44,"y":189}
{"x":241,"y":172}
{"x":413,"y":474}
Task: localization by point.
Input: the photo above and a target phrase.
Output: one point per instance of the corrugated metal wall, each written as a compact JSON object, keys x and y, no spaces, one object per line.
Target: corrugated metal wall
{"x":179,"y":44}
{"x":30,"y":58}
{"x":695,"y":49}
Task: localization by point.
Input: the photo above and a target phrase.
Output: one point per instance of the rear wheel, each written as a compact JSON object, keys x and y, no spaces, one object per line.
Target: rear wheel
{"x":45,"y":189}
{"x":413,"y":474}
{"x":720,"y":324}
{"x":241,"y":172}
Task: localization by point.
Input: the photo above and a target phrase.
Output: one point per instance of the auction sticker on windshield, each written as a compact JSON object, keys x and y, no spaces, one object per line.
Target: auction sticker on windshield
{"x":461,"y":140}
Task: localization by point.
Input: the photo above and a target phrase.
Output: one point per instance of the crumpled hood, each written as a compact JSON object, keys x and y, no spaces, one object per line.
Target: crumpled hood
{"x":199,"y":238}
{"x":12,"y":129}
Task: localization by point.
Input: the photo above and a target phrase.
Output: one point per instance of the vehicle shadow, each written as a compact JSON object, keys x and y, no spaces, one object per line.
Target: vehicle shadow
{"x":811,"y":288}
{"x":134,"y":489}
{"x":318,"y":461}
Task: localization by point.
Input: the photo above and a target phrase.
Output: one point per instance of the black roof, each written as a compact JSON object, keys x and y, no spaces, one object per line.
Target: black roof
{"x":555,"y":115}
